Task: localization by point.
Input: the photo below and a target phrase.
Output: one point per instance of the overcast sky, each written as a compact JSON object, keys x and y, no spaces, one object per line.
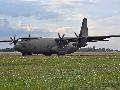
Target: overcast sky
{"x":47,"y":17}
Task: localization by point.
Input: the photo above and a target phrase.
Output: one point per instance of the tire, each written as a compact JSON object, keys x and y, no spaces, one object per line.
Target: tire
{"x":25,"y":54}
{"x":47,"y":54}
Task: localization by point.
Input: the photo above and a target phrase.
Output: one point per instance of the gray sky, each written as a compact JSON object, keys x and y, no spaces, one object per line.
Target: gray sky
{"x":47,"y":17}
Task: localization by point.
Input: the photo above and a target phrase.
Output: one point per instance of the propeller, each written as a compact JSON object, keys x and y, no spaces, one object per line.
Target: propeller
{"x":81,"y":40}
{"x":14,"y":40}
{"x":79,"y":37}
{"x":62,"y":42}
{"x":60,"y":36}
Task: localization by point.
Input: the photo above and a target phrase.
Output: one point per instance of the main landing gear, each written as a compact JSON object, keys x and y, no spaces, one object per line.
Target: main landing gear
{"x":25,"y":54}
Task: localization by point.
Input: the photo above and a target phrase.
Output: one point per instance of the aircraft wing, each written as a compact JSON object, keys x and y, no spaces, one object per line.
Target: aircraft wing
{"x":29,"y":38}
{"x":100,"y":38}
{"x":71,"y":39}
{"x":6,"y":41}
{"x":91,"y":38}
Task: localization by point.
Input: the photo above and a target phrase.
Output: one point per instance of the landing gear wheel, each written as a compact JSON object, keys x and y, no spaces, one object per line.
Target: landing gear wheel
{"x":61,"y":53}
{"x":29,"y":54}
{"x":25,"y":54}
{"x":47,"y":54}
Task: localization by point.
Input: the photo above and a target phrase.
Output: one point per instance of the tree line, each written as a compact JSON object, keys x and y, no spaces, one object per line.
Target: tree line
{"x":93,"y":49}
{"x":7,"y":50}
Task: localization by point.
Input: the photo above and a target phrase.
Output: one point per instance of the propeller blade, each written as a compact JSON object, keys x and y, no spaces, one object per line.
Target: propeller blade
{"x":63,"y":36}
{"x":11,"y":38}
{"x":29,"y":35}
{"x":14,"y":37}
{"x":11,"y":43}
{"x":59,"y":35}
{"x":76,"y":35}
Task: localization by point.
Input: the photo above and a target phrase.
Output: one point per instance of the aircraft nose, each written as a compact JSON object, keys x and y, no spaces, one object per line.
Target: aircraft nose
{"x":17,"y":47}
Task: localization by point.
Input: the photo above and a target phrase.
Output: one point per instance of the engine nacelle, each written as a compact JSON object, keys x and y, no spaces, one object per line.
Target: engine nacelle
{"x":80,"y":44}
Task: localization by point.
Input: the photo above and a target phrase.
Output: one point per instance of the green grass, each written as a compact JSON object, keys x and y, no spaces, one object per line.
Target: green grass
{"x":85,"y":72}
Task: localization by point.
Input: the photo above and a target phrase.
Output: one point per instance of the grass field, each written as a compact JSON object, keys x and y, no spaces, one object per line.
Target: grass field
{"x":71,"y":72}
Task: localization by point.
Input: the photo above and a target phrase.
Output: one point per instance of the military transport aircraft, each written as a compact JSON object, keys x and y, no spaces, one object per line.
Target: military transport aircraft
{"x":60,"y":46}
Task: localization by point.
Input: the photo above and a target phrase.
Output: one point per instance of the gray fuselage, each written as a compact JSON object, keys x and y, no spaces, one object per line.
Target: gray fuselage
{"x":42,"y":46}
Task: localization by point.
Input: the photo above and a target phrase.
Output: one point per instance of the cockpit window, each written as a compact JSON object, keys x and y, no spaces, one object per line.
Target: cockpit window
{"x":19,"y":40}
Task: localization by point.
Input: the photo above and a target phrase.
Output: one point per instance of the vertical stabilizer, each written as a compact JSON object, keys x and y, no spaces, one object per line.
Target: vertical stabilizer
{"x":84,"y":28}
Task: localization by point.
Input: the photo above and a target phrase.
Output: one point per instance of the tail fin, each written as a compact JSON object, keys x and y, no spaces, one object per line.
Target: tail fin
{"x":84,"y":28}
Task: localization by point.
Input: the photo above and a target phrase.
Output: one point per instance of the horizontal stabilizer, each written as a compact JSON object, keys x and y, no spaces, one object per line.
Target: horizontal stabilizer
{"x":114,"y":35}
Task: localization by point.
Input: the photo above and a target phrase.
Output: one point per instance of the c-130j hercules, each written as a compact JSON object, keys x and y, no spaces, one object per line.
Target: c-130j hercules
{"x":60,"y":46}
